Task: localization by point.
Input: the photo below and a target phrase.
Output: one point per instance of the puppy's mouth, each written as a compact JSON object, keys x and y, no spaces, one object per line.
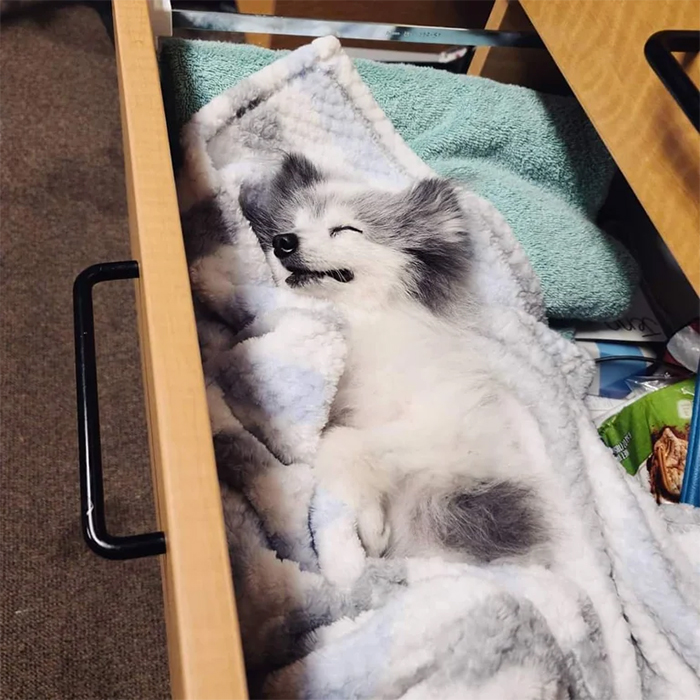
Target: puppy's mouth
{"x":301,"y":276}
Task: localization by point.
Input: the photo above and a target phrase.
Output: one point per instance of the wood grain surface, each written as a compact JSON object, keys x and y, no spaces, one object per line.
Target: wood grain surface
{"x":599,"y":48}
{"x":203,"y":638}
{"x":533,"y":68}
{"x":470,"y":14}
{"x":257,"y":7}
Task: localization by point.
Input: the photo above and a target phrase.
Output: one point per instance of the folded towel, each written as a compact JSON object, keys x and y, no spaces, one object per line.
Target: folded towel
{"x":617,"y":613}
{"x":534,"y":156}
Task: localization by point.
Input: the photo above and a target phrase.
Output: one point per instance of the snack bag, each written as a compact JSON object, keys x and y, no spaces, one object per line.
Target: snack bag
{"x":649,"y":437}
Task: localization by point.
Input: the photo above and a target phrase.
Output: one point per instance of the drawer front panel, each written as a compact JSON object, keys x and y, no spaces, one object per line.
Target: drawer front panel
{"x":203,"y":637}
{"x":599,"y":48}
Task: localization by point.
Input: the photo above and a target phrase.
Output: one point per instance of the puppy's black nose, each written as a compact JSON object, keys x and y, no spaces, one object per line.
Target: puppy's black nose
{"x":285,"y":244}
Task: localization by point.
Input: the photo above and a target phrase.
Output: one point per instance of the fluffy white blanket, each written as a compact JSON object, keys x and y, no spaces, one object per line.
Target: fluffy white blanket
{"x":618,"y":613}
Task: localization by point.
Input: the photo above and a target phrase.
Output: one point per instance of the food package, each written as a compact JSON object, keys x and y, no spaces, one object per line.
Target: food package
{"x":649,"y":435}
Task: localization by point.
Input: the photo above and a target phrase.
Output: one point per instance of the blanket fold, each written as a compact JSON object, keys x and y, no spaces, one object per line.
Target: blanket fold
{"x":536,"y":157}
{"x":617,"y":614}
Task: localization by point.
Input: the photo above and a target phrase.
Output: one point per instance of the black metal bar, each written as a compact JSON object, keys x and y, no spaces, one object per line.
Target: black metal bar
{"x":90,"y":451}
{"x":296,"y":26}
{"x":658,"y":51}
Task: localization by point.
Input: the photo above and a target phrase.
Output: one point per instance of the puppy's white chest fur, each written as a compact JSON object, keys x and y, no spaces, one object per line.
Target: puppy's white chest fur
{"x":403,"y":363}
{"x":431,"y":449}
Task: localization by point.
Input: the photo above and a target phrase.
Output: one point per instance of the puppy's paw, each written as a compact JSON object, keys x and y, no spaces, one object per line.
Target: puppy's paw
{"x":346,"y":467}
{"x":340,"y":554}
{"x":373,"y":528}
{"x":333,"y":525}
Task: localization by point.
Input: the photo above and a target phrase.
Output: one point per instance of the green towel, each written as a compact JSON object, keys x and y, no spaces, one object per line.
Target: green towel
{"x":534,"y":156}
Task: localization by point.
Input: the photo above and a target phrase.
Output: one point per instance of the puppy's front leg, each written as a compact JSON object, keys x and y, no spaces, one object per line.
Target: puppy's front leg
{"x":348,"y":468}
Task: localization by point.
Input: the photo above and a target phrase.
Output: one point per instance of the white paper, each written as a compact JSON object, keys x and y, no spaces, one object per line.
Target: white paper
{"x":638,"y":325}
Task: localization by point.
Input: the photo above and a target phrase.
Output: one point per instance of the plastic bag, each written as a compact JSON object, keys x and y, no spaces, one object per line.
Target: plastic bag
{"x":649,"y":435}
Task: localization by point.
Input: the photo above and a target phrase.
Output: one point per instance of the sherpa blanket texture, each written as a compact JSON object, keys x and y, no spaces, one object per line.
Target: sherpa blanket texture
{"x":536,"y":157}
{"x":617,"y":613}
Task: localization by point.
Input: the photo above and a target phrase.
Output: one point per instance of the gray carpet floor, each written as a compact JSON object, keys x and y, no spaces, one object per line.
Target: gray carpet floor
{"x":71,"y":625}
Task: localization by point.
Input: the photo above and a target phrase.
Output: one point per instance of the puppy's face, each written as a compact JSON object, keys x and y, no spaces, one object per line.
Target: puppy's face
{"x":342,"y":241}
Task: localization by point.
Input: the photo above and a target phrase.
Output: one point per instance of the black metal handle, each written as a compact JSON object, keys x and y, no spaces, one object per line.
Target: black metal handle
{"x":90,"y":450}
{"x":658,"y":51}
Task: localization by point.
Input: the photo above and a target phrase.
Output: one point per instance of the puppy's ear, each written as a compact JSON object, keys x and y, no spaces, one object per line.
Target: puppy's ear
{"x":257,"y":204}
{"x":297,"y":173}
{"x":434,"y":204}
{"x":434,"y":233}
{"x":264,"y":202}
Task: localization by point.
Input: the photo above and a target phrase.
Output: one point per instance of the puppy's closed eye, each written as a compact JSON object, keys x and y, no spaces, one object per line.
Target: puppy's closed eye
{"x":338,"y":229}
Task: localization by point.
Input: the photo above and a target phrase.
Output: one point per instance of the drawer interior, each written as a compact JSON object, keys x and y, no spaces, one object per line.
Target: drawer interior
{"x":205,"y":648}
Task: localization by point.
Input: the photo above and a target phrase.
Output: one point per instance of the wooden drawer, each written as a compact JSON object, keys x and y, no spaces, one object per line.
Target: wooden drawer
{"x":203,"y":637}
{"x":204,"y":646}
{"x":652,"y":141}
{"x":598,"y":49}
{"x":444,"y":13}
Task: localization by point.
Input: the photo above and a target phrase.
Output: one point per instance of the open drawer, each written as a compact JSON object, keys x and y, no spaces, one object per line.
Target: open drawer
{"x":204,"y":643}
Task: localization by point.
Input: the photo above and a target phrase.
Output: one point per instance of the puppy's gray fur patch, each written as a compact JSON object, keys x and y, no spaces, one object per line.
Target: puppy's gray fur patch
{"x":426,"y":222}
{"x":268,"y":204}
{"x":490,"y":520}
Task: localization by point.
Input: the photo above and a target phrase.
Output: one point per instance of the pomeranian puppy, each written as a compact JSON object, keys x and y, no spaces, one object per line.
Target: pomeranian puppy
{"x":424,"y":442}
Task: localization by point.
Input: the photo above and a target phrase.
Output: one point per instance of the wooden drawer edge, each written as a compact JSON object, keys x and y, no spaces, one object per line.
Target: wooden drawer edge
{"x":204,"y":646}
{"x":655,"y":146}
